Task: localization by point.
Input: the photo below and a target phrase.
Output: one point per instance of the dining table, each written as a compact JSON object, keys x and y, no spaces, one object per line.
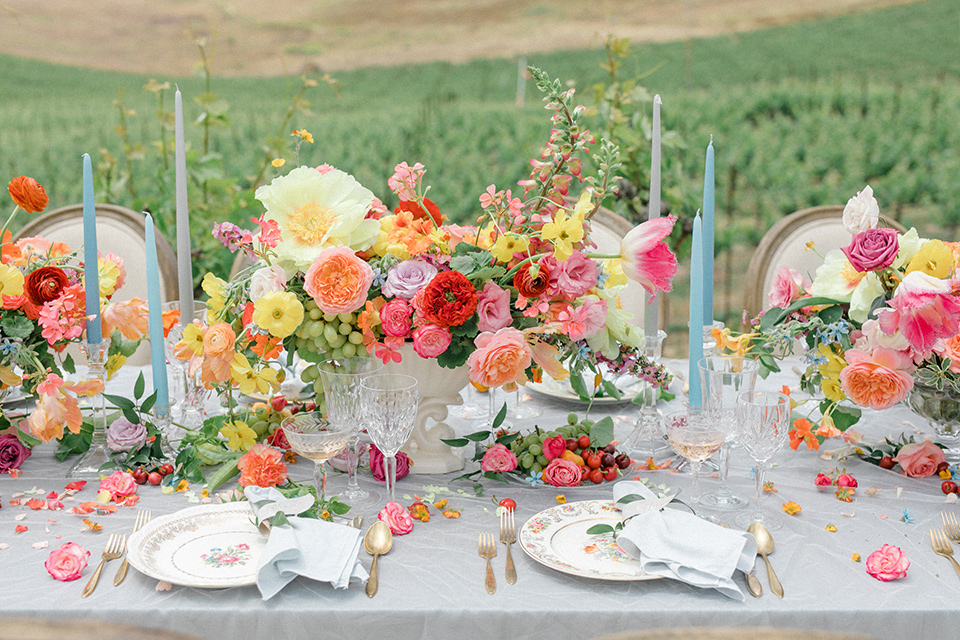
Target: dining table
{"x":431,"y":583}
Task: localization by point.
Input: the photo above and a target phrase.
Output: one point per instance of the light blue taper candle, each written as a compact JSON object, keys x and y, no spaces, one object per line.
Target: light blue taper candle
{"x":91,"y":277}
{"x":708,"y":237}
{"x":158,"y":356}
{"x":696,"y":312}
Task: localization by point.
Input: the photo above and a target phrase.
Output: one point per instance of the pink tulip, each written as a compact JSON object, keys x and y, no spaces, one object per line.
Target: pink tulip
{"x":646,"y":258}
{"x":924,"y":309}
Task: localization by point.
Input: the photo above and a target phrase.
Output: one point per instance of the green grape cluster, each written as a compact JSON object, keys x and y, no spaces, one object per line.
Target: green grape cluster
{"x":529,"y":448}
{"x":336,"y":336}
{"x":264,"y":420}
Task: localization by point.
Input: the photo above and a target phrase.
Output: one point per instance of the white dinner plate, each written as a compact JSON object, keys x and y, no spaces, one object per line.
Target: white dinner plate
{"x":209,"y":546}
{"x":557,"y":538}
{"x":629,"y":387}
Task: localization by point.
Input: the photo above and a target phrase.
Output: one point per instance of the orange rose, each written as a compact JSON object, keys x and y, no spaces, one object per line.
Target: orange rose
{"x":338,"y":281}
{"x":501,"y":359}
{"x":951,"y":349}
{"x":876,"y":381}
{"x":28,"y":194}
{"x":262,"y":467}
{"x":218,"y":340}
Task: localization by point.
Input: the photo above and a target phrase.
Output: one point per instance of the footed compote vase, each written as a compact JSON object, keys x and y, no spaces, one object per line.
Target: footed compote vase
{"x":942,"y":409}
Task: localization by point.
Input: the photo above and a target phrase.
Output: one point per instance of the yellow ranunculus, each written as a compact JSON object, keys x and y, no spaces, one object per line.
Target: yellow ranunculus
{"x":934,"y":259}
{"x":279,"y":313}
{"x":239,"y":436}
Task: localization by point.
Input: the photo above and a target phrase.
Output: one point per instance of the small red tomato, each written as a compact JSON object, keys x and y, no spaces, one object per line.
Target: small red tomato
{"x":886,"y":462}
{"x":593,"y":461}
{"x":165,"y":469}
{"x":948,"y":487}
{"x":611,"y":474}
{"x":510,"y":505}
{"x":583,"y":441}
{"x":154,"y":478}
{"x":139,"y":475}
{"x":596,"y":476}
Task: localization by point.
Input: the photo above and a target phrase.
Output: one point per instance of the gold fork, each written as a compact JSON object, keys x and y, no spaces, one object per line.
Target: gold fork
{"x":488,"y":550}
{"x":114,"y":549}
{"x":941,"y":547}
{"x":508,"y":535}
{"x":143,"y":517}
{"x":950,"y":526}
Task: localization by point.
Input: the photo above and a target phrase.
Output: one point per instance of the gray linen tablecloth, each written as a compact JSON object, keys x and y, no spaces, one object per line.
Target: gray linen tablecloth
{"x":431,"y":583}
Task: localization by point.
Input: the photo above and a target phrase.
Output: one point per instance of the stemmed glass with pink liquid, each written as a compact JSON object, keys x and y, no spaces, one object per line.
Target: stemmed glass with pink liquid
{"x":312,"y":436}
{"x":693,"y":436}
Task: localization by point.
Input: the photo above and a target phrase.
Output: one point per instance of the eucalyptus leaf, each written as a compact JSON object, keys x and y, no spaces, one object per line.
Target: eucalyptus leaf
{"x":455,"y":442}
{"x":600,"y":529}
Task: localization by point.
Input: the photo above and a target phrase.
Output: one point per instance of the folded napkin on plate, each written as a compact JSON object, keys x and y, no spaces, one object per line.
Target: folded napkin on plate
{"x":679,"y":545}
{"x":312,"y":548}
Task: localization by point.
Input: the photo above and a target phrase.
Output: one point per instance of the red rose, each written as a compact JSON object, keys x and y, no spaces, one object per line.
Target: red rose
{"x":448,"y":300}
{"x":278,"y":439}
{"x":562,"y":473}
{"x":28,"y":194}
{"x":429,"y":209}
{"x":554,"y":447}
{"x":44,"y":284}
{"x":530,"y":285}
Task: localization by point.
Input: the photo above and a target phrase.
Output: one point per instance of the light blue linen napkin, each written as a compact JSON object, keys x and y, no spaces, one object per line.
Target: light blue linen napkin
{"x":319,"y":550}
{"x":679,"y":545}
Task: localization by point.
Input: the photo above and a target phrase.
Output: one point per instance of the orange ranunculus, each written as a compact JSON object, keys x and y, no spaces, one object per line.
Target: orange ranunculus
{"x":501,"y":359}
{"x":338,"y":281}
{"x":262,"y":466}
{"x":218,"y":340}
{"x":28,"y":194}
{"x":877,"y":381}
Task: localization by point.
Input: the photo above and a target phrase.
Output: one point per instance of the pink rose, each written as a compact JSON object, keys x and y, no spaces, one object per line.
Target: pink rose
{"x":562,"y":473}
{"x":788,"y":285}
{"x":920,"y":460}
{"x":872,"y":250}
{"x":376,"y":464}
{"x":823,"y":482}
{"x":67,"y":562}
{"x":493,"y":308}
{"x":12,"y":452}
{"x":846,"y":480}
{"x":397,"y":518}
{"x":877,"y":381}
{"x":395,"y":318}
{"x":500,"y":359}
{"x":578,"y":274}
{"x":554,"y":447}
{"x":430,"y":340}
{"x":338,"y":281}
{"x":887,"y":563}
{"x":499,"y":459}
{"x":120,"y":484}
{"x":584,"y":321}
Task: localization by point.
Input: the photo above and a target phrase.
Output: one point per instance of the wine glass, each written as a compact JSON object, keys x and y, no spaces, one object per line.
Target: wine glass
{"x":312,"y":436}
{"x":390,"y":402}
{"x":341,"y":389}
{"x":763,"y":421}
{"x":722,"y":379}
{"x":691,"y":435}
{"x":189,"y":392}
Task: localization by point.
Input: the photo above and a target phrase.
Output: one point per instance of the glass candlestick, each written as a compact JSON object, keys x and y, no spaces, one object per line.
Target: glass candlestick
{"x":648,"y":439}
{"x":88,"y":466}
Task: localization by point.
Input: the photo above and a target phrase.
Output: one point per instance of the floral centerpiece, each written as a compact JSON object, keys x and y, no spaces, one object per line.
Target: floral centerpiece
{"x":879,"y":322}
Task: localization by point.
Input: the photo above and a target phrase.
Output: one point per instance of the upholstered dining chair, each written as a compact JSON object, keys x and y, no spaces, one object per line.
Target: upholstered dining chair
{"x":786,"y":244}
{"x":731,"y":633}
{"x":47,"y":629}
{"x":120,"y":231}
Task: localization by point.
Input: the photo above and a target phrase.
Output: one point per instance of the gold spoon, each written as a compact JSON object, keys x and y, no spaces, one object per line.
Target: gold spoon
{"x":378,"y":541}
{"x":765,"y":546}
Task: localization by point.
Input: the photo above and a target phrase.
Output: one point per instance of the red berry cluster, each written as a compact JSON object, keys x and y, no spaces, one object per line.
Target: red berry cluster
{"x":155,"y":477}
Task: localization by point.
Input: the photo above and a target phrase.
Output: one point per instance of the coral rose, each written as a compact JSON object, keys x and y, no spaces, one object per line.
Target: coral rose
{"x":887,"y":563}
{"x":218,"y":340}
{"x":28,"y":194}
{"x":338,"y":281}
{"x":950,"y":348}
{"x":448,"y":300}
{"x":262,"y":466}
{"x":397,"y":518}
{"x":500,"y":359}
{"x":44,"y":284}
{"x":120,"y":484}
{"x":920,"y":460}
{"x":562,"y":473}
{"x":531,"y":285}
{"x":876,"y":381}
{"x":67,"y":562}
{"x":498,"y":459}
{"x":872,"y":250}
{"x":430,"y":340}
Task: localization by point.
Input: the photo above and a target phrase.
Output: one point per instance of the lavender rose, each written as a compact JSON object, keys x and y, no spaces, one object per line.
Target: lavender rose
{"x":12,"y":453}
{"x":123,"y":435}
{"x":408,"y":277}
{"x":872,"y":250}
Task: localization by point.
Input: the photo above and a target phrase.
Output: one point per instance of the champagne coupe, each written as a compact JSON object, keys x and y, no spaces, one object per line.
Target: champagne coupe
{"x":691,"y":435}
{"x":312,"y":436}
{"x":390,"y":402}
{"x":763,"y":420}
{"x":722,"y":379}
{"x":341,"y":390}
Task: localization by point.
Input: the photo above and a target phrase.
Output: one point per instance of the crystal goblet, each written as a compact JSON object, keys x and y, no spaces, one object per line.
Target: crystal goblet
{"x":390,"y":402}
{"x":692,"y":435}
{"x":312,"y":436}
{"x":763,"y":421}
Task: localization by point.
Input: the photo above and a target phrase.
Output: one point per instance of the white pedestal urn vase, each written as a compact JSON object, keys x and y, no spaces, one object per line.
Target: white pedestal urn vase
{"x":439,"y":388}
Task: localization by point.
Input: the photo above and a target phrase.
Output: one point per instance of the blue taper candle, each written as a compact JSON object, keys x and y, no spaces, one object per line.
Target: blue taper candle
{"x":158,"y":355}
{"x":91,"y":277}
{"x":696,"y":312}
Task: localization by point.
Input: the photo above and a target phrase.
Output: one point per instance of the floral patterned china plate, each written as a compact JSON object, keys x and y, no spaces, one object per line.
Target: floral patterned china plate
{"x":209,"y":546}
{"x":557,"y":538}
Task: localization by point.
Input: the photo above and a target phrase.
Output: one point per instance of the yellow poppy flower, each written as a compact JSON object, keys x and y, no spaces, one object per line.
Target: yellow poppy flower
{"x":613,"y":267}
{"x":279,"y":313}
{"x":190,"y":343}
{"x":11,"y":281}
{"x":563,"y":233}
{"x":507,"y":245}
{"x":249,"y":381}
{"x":239,"y":436}
{"x":934,"y":258}
{"x":215,"y":288}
